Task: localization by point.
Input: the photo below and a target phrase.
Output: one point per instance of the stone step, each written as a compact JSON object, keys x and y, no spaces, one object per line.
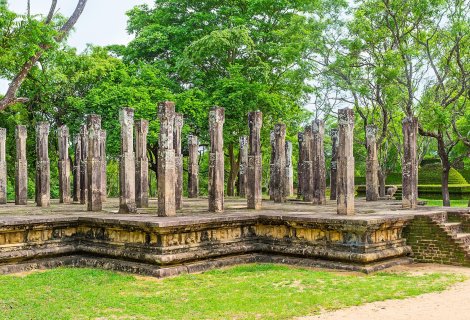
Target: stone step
{"x":453,"y":227}
{"x":462,"y":238}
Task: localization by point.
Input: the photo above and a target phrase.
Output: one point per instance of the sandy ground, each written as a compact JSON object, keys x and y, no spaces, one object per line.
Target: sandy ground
{"x":450,"y":304}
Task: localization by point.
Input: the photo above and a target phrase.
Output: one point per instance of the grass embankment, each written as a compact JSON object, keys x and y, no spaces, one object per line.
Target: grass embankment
{"x":453,"y":203}
{"x":261,"y":291}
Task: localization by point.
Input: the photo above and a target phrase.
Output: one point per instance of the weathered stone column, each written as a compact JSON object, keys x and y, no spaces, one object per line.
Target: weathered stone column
{"x":83,"y":164}
{"x":334,"y":163}
{"x":178,"y":126}
{"x":104,"y":183}
{"x":216,"y":160}
{"x":193,"y":167}
{"x":43,"y":172}
{"x":243,"y":161}
{"x":76,"y":168}
{"x":141,"y":164}
{"x":166,"y":160}
{"x":279,"y":180}
{"x":127,"y":162}
{"x":254,"y":172}
{"x":410,"y":163}
{"x":289,"y":186}
{"x":372,"y":165}
{"x":300,"y":177}
{"x":319,"y":169}
{"x":21,"y":166}
{"x":3,"y":166}
{"x":64,"y":165}
{"x":94,"y":163}
{"x":307,"y":165}
{"x":345,"y":174}
{"x":271,"y":165}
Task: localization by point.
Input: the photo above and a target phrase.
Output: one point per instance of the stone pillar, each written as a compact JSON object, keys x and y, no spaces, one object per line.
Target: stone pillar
{"x":319,"y":169}
{"x":307,"y":165}
{"x":334,"y":163}
{"x":279,"y":180}
{"x":166,"y":160}
{"x":141,"y":164}
{"x":271,"y":166}
{"x":94,"y":163}
{"x":178,"y":126}
{"x":410,"y":163}
{"x":21,"y":166}
{"x":3,"y":166}
{"x":83,"y":164}
{"x":76,"y":168}
{"x":43,"y":172}
{"x":64,"y":165}
{"x":289,"y":186}
{"x":104,"y":183}
{"x":300,"y":139}
{"x":243,"y":161}
{"x":372,"y":165}
{"x":216,"y":160}
{"x":193,"y":167}
{"x":345,"y":174}
{"x":254,"y":172}
{"x":127,"y":162}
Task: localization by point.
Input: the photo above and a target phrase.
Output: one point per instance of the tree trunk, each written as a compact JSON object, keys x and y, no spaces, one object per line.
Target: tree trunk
{"x":445,"y":184}
{"x":232,"y":177}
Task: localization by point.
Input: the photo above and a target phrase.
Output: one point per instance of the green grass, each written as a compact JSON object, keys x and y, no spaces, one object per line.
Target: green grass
{"x":453,"y":203}
{"x":257,"y":291}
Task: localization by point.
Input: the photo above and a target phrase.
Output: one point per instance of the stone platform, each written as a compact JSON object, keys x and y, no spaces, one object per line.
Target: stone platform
{"x":195,"y":240}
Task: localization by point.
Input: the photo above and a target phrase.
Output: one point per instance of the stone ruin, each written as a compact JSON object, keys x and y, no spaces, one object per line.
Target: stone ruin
{"x":89,"y":166}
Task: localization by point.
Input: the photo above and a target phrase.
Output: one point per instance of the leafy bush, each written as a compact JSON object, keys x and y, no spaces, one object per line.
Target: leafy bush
{"x":431,"y":174}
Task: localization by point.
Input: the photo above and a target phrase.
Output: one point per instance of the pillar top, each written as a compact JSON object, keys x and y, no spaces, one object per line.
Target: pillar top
{"x":192,"y":139}
{"x":371,"y":131}
{"x":63,"y":131}
{"x":410,"y":119}
{"x":83,"y":129}
{"x":178,"y":120}
{"x":318,"y":126}
{"x":3,"y":133}
{"x":142,"y":125}
{"x":42,"y":127}
{"x":20,"y":129}
{"x":345,"y":116}
{"x":216,"y":115}
{"x":94,"y":121}
{"x":243,"y":140}
{"x":126,"y":115}
{"x":166,"y":110}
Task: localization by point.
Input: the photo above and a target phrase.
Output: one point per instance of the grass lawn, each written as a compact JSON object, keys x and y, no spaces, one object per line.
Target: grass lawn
{"x":453,"y":203}
{"x":256,"y":291}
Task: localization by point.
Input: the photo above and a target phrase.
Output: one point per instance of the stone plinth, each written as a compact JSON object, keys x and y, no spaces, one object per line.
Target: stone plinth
{"x":104,"y":183}
{"x":43,"y":172}
{"x":76,"y":168}
{"x":372,"y":164}
{"x":254,"y":172}
{"x":64,"y":164}
{"x":243,"y":167}
{"x":289,"y":186}
{"x":279,"y":172}
{"x":127,"y":162}
{"x":334,"y":162}
{"x":319,"y":169}
{"x":410,"y":163}
{"x":193,"y":167}
{"x":94,"y":163}
{"x":300,"y":160}
{"x":83,"y":164}
{"x":3,"y":166}
{"x":166,"y":160}
{"x":345,"y":165}
{"x":177,"y":130}
{"x":21,"y":166}
{"x":216,"y":159}
{"x":307,"y":165}
{"x":141,"y":164}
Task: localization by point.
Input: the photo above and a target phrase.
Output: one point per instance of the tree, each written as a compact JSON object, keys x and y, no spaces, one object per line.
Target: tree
{"x":42,"y":36}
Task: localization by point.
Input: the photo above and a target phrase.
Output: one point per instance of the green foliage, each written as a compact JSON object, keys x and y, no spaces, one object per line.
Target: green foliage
{"x":431,"y":174}
{"x":261,"y":291}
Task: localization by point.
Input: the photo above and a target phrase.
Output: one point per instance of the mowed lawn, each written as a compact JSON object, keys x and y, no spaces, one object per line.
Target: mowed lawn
{"x":257,"y":291}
